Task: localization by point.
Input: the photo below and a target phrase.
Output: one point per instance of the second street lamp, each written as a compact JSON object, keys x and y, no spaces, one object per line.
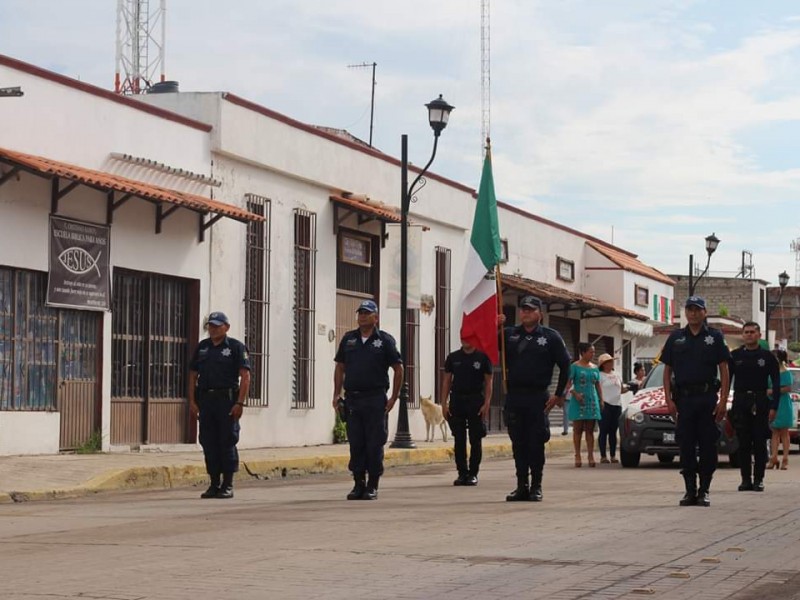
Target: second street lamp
{"x":783,"y":281}
{"x":438,"y":115}
{"x":712,"y":241}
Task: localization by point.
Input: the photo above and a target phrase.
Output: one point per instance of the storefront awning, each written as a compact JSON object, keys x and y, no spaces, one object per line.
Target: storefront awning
{"x":555,"y":297}
{"x":637,"y":328}
{"x":119,"y":190}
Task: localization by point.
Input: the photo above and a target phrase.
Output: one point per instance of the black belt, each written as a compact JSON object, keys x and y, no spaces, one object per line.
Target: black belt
{"x":212,"y":390}
{"x":689,"y":389}
{"x":369,"y":392}
{"x":467,"y":395}
{"x":750,"y":392}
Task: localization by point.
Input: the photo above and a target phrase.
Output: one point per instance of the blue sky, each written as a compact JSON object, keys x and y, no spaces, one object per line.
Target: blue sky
{"x":661,"y":121}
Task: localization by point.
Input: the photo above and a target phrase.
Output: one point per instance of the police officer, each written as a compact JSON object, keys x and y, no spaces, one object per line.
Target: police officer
{"x":362,"y":363}
{"x":694,"y":354}
{"x":467,"y":381}
{"x":532,"y":351}
{"x":751,"y":368}
{"x":219,"y":379}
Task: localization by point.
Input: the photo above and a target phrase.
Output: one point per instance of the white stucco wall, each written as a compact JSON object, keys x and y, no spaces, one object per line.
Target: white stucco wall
{"x":63,"y":123}
{"x":29,"y":432}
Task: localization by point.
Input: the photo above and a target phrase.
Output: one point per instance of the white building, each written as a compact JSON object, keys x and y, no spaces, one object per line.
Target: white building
{"x":289,"y":282}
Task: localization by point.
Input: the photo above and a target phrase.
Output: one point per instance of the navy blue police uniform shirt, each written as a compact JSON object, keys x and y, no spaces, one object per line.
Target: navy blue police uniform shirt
{"x":752,"y":369}
{"x":367,"y":363}
{"x":469,"y":370}
{"x":531,"y":356}
{"x":218,"y":366}
{"x":694,"y":358}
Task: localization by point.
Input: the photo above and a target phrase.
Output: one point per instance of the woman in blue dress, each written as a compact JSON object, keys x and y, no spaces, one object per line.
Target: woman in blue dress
{"x":782,"y":419}
{"x":585,"y":401}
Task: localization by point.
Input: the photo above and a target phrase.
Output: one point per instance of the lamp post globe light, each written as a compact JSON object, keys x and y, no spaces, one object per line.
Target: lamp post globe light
{"x":438,"y":116}
{"x":783,"y":281}
{"x":712,"y":241}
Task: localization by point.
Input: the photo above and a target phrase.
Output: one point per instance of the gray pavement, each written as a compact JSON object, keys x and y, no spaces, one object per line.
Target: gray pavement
{"x":600,"y":533}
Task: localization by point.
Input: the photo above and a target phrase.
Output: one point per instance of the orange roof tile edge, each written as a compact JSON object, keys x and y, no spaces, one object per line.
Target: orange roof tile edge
{"x":546,"y":292}
{"x":631,"y":263}
{"x":387,"y":214}
{"x":147,"y":191}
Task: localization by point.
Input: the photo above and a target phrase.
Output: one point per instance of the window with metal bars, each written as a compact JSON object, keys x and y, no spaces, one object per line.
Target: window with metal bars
{"x":442,"y":324}
{"x":149,"y":339}
{"x":412,"y":356}
{"x":256,"y":298}
{"x":40,"y":345}
{"x":305,"y":265}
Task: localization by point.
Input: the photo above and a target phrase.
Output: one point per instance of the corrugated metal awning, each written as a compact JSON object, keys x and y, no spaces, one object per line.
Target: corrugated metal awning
{"x":127,"y":188}
{"x":636,"y":328}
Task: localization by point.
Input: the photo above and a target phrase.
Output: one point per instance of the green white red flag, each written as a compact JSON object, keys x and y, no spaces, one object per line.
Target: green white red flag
{"x":479,"y":298}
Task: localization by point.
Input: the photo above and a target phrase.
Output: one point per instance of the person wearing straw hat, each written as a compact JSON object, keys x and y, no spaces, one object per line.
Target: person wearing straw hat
{"x":613,"y":388}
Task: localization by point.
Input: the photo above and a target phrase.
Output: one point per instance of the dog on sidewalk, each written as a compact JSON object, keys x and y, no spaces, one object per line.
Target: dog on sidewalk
{"x":433,"y":418}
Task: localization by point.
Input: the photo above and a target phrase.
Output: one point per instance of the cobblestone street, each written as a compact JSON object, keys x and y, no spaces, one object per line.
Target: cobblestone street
{"x":600,"y":533}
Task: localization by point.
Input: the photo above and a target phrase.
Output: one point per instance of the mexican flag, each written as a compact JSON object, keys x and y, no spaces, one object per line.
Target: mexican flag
{"x":479,"y":297}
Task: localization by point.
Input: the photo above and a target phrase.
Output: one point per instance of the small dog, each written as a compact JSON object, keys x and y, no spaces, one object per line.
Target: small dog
{"x":433,"y":417}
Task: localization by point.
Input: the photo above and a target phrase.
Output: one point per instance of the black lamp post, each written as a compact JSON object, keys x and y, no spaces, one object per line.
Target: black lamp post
{"x":438,"y":115}
{"x":712,"y":242}
{"x":783,"y":281}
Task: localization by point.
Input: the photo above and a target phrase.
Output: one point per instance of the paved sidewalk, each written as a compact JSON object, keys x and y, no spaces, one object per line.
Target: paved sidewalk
{"x":27,"y":478}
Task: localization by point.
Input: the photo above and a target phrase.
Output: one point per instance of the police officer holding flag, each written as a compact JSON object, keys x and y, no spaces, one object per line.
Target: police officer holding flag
{"x":532,"y":351}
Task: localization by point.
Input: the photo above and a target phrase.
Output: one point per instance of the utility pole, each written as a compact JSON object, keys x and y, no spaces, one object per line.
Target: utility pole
{"x":372,"y":101}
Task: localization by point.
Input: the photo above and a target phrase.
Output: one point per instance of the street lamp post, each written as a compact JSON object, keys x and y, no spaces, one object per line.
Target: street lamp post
{"x":438,"y":115}
{"x":783,"y":281}
{"x":712,"y":241}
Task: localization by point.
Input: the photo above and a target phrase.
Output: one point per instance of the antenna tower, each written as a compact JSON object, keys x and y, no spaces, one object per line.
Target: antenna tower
{"x":141,"y":36}
{"x":795,"y":246}
{"x":486,"y":80}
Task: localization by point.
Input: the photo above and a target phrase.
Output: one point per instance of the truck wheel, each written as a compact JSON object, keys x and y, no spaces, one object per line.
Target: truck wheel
{"x":629,"y":459}
{"x":665,"y":459}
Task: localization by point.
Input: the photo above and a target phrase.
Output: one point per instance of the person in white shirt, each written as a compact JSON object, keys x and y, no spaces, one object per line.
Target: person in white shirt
{"x":613,"y":389}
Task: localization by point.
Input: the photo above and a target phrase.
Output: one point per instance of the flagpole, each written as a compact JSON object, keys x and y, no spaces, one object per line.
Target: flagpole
{"x":498,"y":279}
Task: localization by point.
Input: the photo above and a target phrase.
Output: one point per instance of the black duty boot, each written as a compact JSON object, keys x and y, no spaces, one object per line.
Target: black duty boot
{"x":211,"y":492}
{"x":536,"y":488}
{"x":746,"y":486}
{"x":471,"y":480}
{"x":521,"y":494}
{"x":358,"y":489}
{"x":371,"y":493}
{"x":703,"y":498}
{"x":225,"y":492}
{"x":690,"y":497}
{"x":461,"y":479}
{"x":758,"y":485}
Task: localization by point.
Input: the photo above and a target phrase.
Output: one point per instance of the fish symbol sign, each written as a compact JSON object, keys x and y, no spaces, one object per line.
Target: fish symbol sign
{"x":78,"y":261}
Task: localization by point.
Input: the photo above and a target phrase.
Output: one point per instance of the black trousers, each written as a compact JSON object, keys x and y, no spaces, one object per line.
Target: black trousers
{"x":219,"y":431}
{"x":529,"y":430}
{"x":750,"y":414}
{"x":367,"y":432}
{"x":464,"y":418}
{"x":609,"y":424}
{"x":697,"y":434}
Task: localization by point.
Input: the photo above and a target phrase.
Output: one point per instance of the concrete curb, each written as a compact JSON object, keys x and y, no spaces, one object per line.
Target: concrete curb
{"x":184,"y":476}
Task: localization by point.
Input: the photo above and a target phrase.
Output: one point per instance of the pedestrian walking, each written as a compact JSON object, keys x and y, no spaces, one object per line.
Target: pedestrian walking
{"x":782,"y":419}
{"x":698,"y":357}
{"x":613,"y":389}
{"x":532,"y":351}
{"x":219,"y":380}
{"x":586,"y":401}
{"x":752,"y":370}
{"x":467,"y":381}
{"x":363,"y":360}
